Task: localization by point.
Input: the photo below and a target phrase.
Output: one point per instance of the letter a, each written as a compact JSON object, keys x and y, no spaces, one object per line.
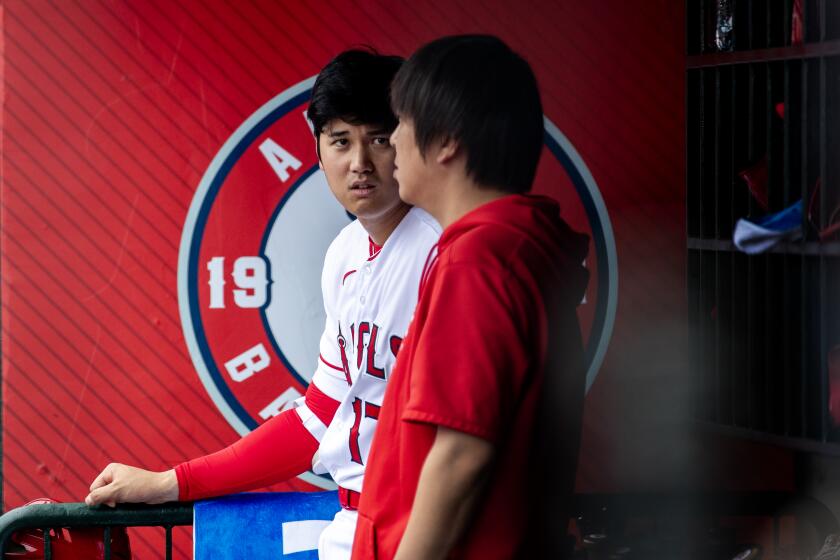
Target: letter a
{"x":279,"y":159}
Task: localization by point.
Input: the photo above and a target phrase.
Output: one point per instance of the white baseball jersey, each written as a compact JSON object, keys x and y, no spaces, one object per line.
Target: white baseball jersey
{"x":369,"y":298}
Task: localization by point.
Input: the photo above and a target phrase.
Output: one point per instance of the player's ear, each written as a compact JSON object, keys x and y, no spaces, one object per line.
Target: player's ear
{"x":317,"y":137}
{"x":447,"y":150}
{"x":318,"y":151}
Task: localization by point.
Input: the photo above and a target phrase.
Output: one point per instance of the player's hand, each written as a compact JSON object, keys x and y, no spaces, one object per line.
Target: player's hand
{"x":123,"y":484}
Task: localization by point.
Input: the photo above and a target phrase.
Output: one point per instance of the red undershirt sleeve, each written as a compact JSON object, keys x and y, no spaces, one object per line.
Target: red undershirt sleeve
{"x":277,"y":450}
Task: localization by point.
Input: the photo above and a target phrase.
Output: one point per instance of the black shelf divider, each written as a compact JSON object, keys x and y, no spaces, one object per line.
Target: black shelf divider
{"x":807,"y":248}
{"x":763,"y":132}
{"x":795,"y":52}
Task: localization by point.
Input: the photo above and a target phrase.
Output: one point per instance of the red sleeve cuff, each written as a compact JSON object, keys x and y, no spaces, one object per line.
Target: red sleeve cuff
{"x":471,"y":428}
{"x":183,"y":487}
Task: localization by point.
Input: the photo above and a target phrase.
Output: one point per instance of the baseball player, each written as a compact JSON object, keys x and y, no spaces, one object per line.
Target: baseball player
{"x":476,"y":447}
{"x":369,"y":284}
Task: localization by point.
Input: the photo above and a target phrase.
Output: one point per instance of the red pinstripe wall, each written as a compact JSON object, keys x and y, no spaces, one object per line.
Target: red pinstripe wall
{"x":112,"y":111}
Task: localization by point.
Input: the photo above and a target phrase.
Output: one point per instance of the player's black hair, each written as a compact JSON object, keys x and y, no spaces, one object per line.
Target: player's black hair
{"x":354,"y":87}
{"x":475,"y":90}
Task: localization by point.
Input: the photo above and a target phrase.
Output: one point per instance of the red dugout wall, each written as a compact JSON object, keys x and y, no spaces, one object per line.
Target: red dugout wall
{"x":112,"y":113}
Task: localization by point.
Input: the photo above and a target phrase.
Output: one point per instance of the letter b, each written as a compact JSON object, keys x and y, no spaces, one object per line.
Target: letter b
{"x":248,"y":363}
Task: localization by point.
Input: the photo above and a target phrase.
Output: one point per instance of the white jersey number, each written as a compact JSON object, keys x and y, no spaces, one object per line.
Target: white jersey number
{"x":249,"y":277}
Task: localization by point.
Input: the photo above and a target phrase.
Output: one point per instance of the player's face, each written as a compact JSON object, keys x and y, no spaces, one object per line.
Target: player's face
{"x":358,"y":161}
{"x":409,"y":165}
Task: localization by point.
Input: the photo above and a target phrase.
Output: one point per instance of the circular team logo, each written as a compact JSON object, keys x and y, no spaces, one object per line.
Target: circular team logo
{"x":249,"y":270}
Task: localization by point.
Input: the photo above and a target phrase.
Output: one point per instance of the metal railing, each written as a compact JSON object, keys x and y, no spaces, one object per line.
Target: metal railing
{"x":607,"y":513}
{"x":51,"y":516}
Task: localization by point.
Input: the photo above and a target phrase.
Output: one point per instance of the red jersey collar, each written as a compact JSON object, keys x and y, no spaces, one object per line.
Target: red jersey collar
{"x":373,"y":249}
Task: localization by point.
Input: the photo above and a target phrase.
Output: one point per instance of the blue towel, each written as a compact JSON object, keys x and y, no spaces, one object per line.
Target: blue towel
{"x":757,"y":236}
{"x":275,"y":525}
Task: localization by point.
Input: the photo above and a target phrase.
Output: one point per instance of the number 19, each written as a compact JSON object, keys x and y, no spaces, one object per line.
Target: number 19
{"x":249,"y":277}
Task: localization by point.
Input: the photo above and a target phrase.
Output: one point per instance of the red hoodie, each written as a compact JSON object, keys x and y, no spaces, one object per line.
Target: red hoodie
{"x":494,"y":350}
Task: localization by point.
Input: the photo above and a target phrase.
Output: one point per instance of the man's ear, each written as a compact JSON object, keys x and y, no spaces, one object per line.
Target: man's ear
{"x":318,"y":151}
{"x":447,"y":151}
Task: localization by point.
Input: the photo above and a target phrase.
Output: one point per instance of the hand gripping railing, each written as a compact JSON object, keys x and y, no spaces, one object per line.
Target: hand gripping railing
{"x":51,"y":516}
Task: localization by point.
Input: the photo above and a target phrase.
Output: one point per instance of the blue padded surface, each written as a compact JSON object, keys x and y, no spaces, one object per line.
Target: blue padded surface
{"x":251,"y":525}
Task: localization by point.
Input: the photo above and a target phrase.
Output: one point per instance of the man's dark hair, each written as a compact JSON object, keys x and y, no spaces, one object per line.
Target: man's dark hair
{"x":354,"y":87}
{"x":475,"y":90}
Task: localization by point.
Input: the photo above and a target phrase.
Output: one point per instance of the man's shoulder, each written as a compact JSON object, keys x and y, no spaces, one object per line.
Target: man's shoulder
{"x":423,"y":222}
{"x":343,"y":248}
{"x":488,"y":244}
{"x":415,"y":236}
{"x":417,"y":230}
{"x":350,"y":236}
